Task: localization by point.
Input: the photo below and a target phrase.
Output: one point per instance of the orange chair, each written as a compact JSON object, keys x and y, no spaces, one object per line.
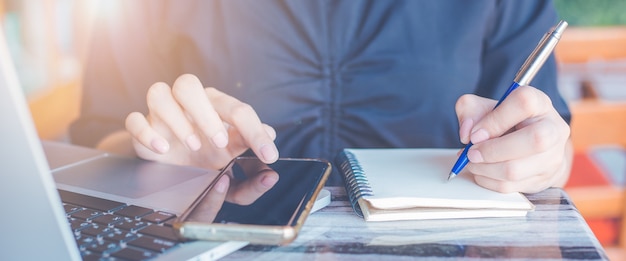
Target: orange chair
{"x":600,"y":202}
{"x":596,"y":122}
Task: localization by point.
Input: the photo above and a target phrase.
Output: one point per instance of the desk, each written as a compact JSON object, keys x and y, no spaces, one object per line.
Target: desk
{"x":555,"y":230}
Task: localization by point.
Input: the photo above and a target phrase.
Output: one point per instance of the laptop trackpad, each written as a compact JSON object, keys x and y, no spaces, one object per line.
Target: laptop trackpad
{"x":126,"y":177}
{"x":135,"y":181}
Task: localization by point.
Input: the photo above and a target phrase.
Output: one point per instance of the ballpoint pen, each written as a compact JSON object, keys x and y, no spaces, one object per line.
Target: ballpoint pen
{"x":526,"y":73}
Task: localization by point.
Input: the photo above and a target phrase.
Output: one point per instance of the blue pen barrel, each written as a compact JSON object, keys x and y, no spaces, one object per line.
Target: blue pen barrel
{"x":463,"y":160}
{"x":511,"y":88}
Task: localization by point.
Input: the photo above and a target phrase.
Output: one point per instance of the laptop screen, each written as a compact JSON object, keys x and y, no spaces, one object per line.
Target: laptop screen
{"x":32,"y":211}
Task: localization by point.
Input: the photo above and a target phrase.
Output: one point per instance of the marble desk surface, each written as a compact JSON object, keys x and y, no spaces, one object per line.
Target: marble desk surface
{"x":554,"y":231}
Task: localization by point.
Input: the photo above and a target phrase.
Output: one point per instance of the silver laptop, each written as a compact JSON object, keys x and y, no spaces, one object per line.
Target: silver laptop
{"x":36,"y":225}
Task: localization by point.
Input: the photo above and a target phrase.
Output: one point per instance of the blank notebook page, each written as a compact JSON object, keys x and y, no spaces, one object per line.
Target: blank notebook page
{"x":404,"y":178}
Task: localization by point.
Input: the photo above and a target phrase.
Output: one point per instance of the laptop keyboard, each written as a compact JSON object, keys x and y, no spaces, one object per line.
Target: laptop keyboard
{"x":110,"y":230}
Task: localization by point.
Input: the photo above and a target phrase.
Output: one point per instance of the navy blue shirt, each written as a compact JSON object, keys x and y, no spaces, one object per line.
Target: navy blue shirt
{"x":325,"y":74}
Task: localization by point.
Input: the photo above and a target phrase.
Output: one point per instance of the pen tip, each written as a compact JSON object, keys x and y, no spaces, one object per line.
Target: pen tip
{"x":451,"y":176}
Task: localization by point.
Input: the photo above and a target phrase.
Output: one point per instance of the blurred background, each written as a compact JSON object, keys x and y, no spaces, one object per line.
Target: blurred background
{"x":48,"y":39}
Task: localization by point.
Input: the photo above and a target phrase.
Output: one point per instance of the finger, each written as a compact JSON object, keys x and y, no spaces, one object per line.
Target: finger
{"x":270,"y":131}
{"x":237,"y":145}
{"x":139,"y":128}
{"x":465,"y":129}
{"x":163,"y":106}
{"x":470,"y":109}
{"x":513,"y":170}
{"x":531,"y":139}
{"x":527,"y":183}
{"x":523,"y":103}
{"x":207,"y":209}
{"x":248,"y":191}
{"x":242,"y":117}
{"x":515,"y":175}
{"x":190,"y":94}
{"x":532,"y":185}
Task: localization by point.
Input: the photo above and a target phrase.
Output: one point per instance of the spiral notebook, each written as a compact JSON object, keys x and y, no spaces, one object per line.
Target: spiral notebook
{"x":407,"y":184}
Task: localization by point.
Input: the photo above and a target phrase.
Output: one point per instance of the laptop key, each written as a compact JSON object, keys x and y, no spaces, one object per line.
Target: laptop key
{"x":108,"y":219}
{"x":131,"y":224}
{"x":117,"y":235}
{"x":86,"y":214}
{"x":169,"y":222}
{"x":69,"y":208}
{"x":89,"y":201}
{"x":152,"y":243}
{"x":160,"y":231}
{"x":158,"y":217}
{"x":133,"y":211}
{"x":90,"y":256}
{"x":130,"y":253}
{"x":103,"y":246}
{"x":93,"y":230}
{"x":84,"y":240}
{"x":78,"y":224}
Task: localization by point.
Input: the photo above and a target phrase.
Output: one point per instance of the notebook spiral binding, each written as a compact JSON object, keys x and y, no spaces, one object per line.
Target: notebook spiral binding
{"x":356,"y":182}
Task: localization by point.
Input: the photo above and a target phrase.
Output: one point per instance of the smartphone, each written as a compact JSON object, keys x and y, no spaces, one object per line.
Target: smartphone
{"x":263,"y":204}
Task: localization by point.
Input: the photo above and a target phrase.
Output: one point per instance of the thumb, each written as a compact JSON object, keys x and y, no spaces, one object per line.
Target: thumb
{"x":470,"y":109}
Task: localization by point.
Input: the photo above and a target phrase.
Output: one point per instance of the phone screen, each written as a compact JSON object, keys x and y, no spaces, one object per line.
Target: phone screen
{"x":262,"y":201}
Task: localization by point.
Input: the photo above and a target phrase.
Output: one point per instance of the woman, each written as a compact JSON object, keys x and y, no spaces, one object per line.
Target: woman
{"x":308,"y":78}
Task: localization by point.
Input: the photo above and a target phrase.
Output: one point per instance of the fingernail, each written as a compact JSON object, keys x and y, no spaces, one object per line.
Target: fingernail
{"x":269,"y":181}
{"x":193,"y":142}
{"x":221,"y":185}
{"x":160,"y":145}
{"x":474,"y":156}
{"x":220,"y":140}
{"x":464,"y":131}
{"x":479,"y":136}
{"x":269,"y":152}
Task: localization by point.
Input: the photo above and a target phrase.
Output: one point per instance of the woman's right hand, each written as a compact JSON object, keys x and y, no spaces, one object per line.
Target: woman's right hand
{"x":188,"y":124}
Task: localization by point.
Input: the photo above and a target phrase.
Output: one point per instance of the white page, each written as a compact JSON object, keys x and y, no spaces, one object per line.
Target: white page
{"x":404,"y":178}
